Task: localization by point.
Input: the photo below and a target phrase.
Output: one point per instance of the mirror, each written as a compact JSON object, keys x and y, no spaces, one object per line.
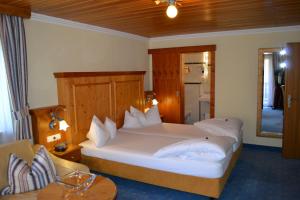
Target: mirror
{"x":271,"y":85}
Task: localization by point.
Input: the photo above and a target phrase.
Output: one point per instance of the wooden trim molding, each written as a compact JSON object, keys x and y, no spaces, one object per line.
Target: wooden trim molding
{"x":212,"y":84}
{"x":186,"y":49}
{"x":86,"y":74}
{"x":15,"y":11}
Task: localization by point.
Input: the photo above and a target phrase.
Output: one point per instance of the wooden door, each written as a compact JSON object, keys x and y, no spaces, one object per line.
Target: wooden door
{"x":167,"y":85}
{"x":291,"y":135}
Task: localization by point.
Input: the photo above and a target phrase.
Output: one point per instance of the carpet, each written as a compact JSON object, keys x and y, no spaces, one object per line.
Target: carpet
{"x":272,"y":120}
{"x":261,"y":174}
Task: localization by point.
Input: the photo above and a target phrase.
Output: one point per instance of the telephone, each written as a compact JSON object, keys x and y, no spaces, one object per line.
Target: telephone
{"x":61,"y":147}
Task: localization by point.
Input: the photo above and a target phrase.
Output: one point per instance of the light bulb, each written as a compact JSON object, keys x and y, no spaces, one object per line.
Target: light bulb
{"x":282,"y":65}
{"x":154,"y":102}
{"x":172,"y":11}
{"x":282,"y":52}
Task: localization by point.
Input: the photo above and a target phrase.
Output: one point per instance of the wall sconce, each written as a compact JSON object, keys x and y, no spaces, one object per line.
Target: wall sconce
{"x":282,"y":52}
{"x":150,"y":100}
{"x":63,"y":125}
{"x":283,"y":55}
{"x":154,"y":102}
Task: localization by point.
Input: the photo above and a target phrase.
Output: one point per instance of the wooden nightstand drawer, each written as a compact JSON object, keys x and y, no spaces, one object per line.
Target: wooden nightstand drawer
{"x":72,"y":153}
{"x":73,"y":156}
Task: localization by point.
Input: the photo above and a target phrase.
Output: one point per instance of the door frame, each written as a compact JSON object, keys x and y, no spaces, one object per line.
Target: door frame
{"x":193,"y":49}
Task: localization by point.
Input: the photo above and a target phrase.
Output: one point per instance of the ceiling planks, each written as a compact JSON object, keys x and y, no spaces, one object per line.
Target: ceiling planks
{"x":143,"y":17}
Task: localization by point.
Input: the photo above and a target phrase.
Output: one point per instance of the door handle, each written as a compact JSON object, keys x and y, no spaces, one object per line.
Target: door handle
{"x":289,"y":101}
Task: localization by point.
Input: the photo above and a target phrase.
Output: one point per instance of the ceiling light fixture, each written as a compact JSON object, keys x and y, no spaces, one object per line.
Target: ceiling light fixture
{"x":172,"y":11}
{"x":172,"y":7}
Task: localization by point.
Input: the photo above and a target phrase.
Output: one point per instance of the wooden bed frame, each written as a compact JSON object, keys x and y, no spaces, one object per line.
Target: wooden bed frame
{"x":109,"y":94}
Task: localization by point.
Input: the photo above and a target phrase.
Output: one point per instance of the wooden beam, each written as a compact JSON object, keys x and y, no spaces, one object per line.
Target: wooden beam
{"x":187,"y":49}
{"x":15,"y":11}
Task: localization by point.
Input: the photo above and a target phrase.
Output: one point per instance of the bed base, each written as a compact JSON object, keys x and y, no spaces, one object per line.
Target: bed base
{"x":211,"y":187}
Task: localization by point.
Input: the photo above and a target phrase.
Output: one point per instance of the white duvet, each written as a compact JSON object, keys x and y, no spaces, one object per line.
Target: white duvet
{"x":230,"y":127}
{"x":208,"y":148}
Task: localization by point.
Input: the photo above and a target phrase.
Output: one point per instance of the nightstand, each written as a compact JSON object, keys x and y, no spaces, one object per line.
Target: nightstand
{"x":72,"y":153}
{"x":162,"y":118}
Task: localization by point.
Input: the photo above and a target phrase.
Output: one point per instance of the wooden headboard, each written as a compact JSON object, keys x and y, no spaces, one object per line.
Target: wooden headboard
{"x":104,"y":94}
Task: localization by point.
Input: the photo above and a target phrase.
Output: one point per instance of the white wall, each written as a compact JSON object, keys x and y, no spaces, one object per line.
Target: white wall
{"x":56,"y":48}
{"x":236,"y":72}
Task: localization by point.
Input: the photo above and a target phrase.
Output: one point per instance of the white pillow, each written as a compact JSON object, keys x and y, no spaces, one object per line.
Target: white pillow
{"x":98,"y":133}
{"x":111,"y":127}
{"x":139,"y":115}
{"x":130,"y":121}
{"x":151,"y":117}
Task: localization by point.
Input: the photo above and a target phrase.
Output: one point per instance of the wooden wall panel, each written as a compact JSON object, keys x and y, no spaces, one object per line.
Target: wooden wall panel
{"x":104,"y":94}
{"x":91,"y":98}
{"x":127,"y":91}
{"x":40,"y":125}
{"x":167,"y":85}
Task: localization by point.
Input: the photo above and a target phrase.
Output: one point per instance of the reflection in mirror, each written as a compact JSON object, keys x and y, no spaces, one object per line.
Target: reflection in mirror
{"x":197,"y":86}
{"x":271,"y":84}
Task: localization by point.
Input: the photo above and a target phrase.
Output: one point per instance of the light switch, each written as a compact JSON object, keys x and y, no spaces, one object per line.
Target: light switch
{"x":53,"y":138}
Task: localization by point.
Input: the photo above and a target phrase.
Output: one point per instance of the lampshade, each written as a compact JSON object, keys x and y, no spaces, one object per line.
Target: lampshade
{"x":154,"y":102}
{"x":63,"y":125}
{"x":172,"y":11}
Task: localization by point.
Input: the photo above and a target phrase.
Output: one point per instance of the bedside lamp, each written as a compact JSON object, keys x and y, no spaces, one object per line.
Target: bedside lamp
{"x":154,"y":102}
{"x":63,"y":125}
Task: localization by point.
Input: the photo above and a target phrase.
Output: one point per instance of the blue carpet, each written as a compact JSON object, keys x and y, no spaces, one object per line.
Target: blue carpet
{"x":272,"y":120}
{"x":261,"y":174}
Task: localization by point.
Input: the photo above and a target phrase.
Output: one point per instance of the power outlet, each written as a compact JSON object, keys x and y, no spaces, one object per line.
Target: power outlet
{"x":53,"y":138}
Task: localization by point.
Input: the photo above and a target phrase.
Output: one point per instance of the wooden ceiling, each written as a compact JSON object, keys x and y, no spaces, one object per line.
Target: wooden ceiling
{"x":143,"y":17}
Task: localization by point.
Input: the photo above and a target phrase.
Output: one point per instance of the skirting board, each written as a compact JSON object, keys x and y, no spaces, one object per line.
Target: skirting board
{"x":203,"y":186}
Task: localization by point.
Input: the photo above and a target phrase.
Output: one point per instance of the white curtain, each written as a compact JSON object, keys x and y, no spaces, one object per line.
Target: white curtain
{"x":269,"y":83}
{"x":6,"y":125}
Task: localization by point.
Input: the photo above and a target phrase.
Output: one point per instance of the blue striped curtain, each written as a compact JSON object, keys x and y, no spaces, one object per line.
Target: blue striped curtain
{"x":12,"y":35}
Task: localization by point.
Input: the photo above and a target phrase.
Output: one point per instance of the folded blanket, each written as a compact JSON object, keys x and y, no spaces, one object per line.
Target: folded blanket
{"x":206,"y":148}
{"x":221,"y":127}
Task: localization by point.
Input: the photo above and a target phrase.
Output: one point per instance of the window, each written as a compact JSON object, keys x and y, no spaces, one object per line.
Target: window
{"x":268,"y":95}
{"x":6,"y":127}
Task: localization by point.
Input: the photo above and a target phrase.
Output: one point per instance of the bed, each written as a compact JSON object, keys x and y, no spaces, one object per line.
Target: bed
{"x":138,"y":150}
{"x":109,"y":94}
{"x":184,"y":131}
